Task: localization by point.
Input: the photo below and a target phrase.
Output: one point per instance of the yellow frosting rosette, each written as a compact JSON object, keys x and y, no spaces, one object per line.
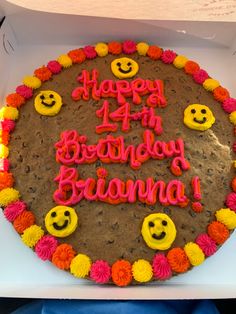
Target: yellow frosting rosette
{"x":227,"y":217}
{"x":32,"y":235}
{"x":194,"y":253}
{"x":101,"y":49}
{"x":180,"y":62}
{"x":80,"y":265}
{"x":142,"y":271}
{"x":142,"y":48}
{"x":8,"y":195}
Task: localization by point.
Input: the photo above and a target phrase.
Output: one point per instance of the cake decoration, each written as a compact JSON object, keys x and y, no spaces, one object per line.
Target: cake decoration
{"x":119,"y":166}
{"x":161,"y":267}
{"x":121,"y":273}
{"x":142,"y":271}
{"x":63,"y":256}
{"x":124,"y":68}
{"x":80,"y":266}
{"x":32,"y":82}
{"x":194,"y":253}
{"x":198,"y":117}
{"x":61,"y":221}
{"x":158,"y":231}
{"x":32,"y":235}
{"x":227,"y":217}
{"x":206,"y":243}
{"x":48,"y":103}
{"x":100,"y":272}
{"x":45,"y":247}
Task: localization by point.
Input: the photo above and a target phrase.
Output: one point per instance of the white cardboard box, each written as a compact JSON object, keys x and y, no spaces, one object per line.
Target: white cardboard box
{"x":30,"y":39}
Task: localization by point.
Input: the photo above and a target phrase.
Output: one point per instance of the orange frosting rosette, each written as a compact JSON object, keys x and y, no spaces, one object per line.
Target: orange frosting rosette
{"x":233,"y":184}
{"x":191,"y":67}
{"x":121,"y":273}
{"x":43,"y":73}
{"x":178,"y":260}
{"x":4,"y":137}
{"x":77,"y":55}
{"x":220,"y":93}
{"x":218,"y":232}
{"x":6,"y":180}
{"x":15,"y":100}
{"x":154,"y":52}
{"x":63,"y":256}
{"x":24,"y":221}
{"x":115,"y":48}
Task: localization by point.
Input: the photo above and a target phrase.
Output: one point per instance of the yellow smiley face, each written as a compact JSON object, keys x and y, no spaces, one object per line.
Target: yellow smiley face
{"x":158,"y":231}
{"x":61,"y":221}
{"x":48,"y":103}
{"x":198,"y":117}
{"x":124,"y":68}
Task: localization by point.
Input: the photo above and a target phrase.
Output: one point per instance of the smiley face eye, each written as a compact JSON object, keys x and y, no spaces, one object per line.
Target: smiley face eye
{"x":203,"y":111}
{"x":42,"y":97}
{"x":67,"y":213}
{"x":53,"y":214}
{"x":164,"y":223}
{"x":129,"y":63}
{"x":51,"y":96}
{"x":119,"y":64}
{"x":193,"y":111}
{"x":151,"y":224}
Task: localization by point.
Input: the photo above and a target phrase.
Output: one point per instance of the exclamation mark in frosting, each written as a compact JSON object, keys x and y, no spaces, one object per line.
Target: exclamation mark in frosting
{"x":196,"y":205}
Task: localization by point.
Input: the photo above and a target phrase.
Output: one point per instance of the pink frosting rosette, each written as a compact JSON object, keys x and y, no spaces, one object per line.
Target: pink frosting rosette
{"x":4,"y":164}
{"x":168,"y":56}
{"x":100,"y":272}
{"x":129,"y":47}
{"x":54,"y":66}
{"x":161,"y":267}
{"x":7,"y":125}
{"x":206,"y":243}
{"x":231,"y":201}
{"x":90,"y":52}
{"x":200,"y":76}
{"x":13,"y":210}
{"x":45,"y":247}
{"x":229,"y":105}
{"x":24,"y":91}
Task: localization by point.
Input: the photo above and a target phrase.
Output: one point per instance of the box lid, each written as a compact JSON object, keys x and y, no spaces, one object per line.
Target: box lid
{"x":185,"y":10}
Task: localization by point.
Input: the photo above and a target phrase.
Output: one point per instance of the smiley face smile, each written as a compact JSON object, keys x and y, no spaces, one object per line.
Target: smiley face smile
{"x":122,"y":70}
{"x":200,"y":121}
{"x":55,"y":225}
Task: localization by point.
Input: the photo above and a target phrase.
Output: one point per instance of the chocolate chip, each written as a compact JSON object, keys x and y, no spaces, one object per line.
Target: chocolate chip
{"x":192,"y":213}
{"x":32,"y":190}
{"x":210,"y":171}
{"x":110,"y":241}
{"x":27,"y":169}
{"x":115,"y":226}
{"x":98,"y":163}
{"x":19,"y":158}
{"x":166,"y":210}
{"x":151,"y":207}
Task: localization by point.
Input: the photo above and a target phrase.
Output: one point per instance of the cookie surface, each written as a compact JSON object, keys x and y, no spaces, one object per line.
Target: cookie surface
{"x":116,"y":150}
